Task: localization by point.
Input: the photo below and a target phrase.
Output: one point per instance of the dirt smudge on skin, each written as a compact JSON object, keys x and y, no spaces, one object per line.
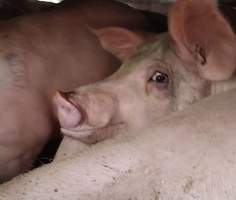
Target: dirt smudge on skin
{"x":188,"y":185}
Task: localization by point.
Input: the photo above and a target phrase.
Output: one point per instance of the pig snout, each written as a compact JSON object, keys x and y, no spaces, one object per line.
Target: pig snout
{"x":85,"y":113}
{"x":69,"y":115}
{"x":98,"y":107}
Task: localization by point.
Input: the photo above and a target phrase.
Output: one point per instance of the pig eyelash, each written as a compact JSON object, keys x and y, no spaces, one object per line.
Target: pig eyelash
{"x":99,"y":128}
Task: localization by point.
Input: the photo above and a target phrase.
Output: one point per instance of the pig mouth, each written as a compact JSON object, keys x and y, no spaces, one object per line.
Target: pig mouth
{"x":91,"y":134}
{"x":76,"y":124}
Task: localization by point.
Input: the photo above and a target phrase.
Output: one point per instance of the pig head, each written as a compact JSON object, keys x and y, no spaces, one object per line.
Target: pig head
{"x":167,"y":74}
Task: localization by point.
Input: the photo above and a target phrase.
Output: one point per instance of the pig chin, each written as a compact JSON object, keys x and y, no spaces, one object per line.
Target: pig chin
{"x":79,"y":132}
{"x":91,"y":135}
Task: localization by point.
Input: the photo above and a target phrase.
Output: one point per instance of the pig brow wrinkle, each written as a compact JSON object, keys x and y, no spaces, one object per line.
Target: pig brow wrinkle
{"x":174,"y":52}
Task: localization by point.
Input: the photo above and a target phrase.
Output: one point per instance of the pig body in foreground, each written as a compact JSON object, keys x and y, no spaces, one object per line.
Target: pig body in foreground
{"x":194,"y":60}
{"x":187,"y":155}
{"x":43,"y":53}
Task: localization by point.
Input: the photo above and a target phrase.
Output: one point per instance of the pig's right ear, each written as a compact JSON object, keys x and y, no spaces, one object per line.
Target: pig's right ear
{"x":204,"y":38}
{"x":120,"y":42}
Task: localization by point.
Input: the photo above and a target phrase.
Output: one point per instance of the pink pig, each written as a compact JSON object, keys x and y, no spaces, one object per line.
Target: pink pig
{"x":195,"y":59}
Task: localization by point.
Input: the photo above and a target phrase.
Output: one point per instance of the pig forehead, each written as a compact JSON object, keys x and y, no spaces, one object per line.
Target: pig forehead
{"x":156,"y":50}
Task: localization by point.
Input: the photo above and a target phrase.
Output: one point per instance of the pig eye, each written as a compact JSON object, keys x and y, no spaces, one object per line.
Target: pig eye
{"x":160,"y":78}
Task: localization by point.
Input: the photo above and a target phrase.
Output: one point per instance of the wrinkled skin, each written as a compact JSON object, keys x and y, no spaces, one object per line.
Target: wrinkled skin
{"x":169,"y":73}
{"x":40,"y":54}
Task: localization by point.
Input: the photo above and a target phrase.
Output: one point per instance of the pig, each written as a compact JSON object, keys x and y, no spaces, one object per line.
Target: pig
{"x":195,"y":59}
{"x":44,"y":52}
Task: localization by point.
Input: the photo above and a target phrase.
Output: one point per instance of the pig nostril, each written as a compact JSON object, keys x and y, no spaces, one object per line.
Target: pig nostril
{"x":66,"y":95}
{"x":80,"y":110}
{"x":69,"y":114}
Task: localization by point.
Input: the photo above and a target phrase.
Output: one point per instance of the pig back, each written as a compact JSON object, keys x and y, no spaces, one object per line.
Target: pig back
{"x":58,"y":48}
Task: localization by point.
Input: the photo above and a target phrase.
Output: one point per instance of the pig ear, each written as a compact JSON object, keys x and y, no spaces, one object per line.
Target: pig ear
{"x":204,"y":37}
{"x":68,"y":115}
{"x":121,"y":42}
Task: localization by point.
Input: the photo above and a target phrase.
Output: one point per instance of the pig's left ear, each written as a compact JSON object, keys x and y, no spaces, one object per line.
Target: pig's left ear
{"x":203,"y":37}
{"x":121,"y":42}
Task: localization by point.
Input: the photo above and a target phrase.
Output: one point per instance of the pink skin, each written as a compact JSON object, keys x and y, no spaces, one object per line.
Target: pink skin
{"x":165,"y":75}
{"x":65,"y":107}
{"x":43,"y":53}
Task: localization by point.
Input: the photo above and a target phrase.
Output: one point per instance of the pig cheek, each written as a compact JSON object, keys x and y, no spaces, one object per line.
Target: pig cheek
{"x":131,"y":111}
{"x":159,"y":98}
{"x":100,"y":110}
{"x":158,"y":102}
{"x":132,"y":105}
{"x":159,"y":93}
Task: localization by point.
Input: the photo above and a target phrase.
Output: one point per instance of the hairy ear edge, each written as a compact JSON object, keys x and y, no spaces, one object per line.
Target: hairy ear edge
{"x":204,"y":37}
{"x":120,"y":42}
